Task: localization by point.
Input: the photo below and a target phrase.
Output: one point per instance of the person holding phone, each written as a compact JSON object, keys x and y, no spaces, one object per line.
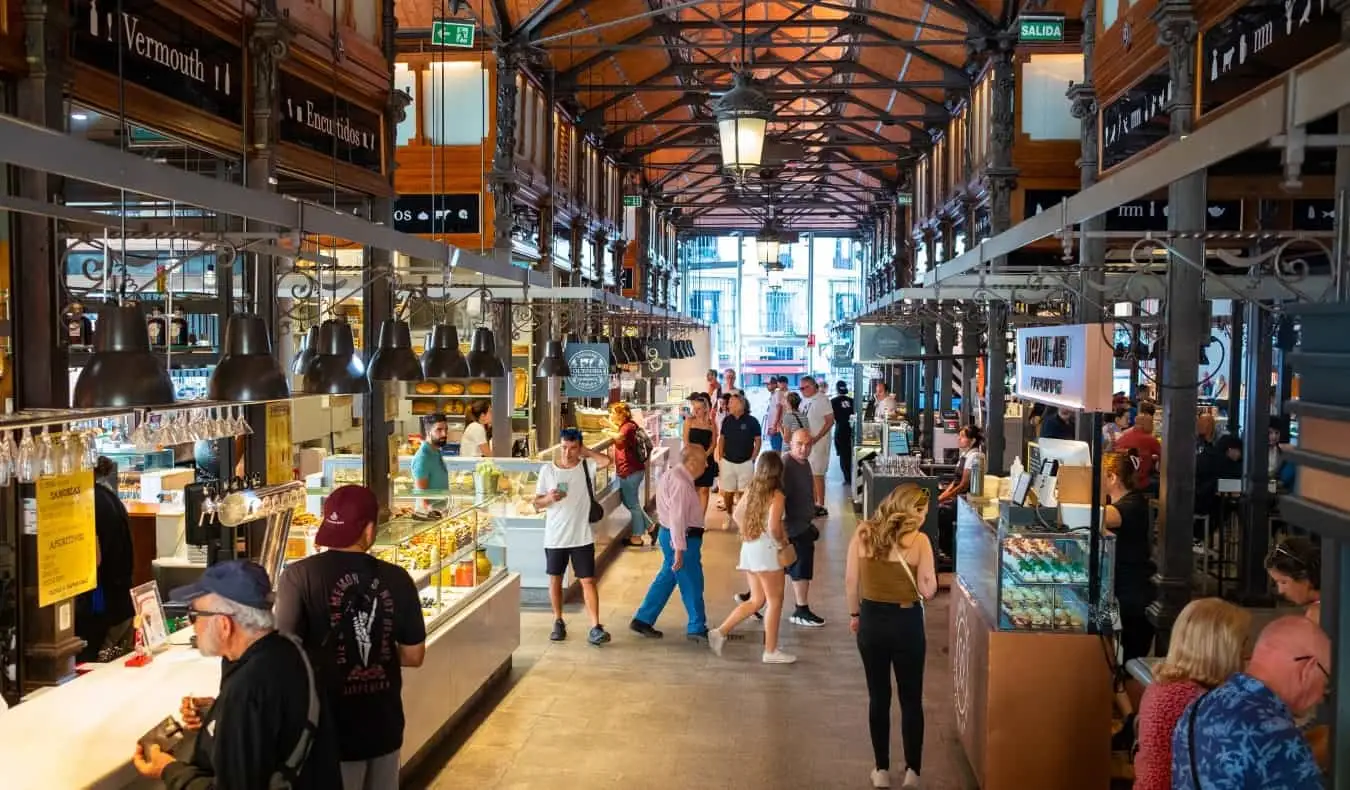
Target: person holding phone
{"x":563,"y":492}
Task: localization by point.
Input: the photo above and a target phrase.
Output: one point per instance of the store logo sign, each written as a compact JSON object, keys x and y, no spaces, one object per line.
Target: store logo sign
{"x":316,"y":119}
{"x":589,"y":363}
{"x":428,"y":214}
{"x":160,"y":51}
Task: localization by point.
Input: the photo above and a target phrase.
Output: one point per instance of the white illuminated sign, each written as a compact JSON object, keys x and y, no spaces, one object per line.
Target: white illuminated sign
{"x":1069,"y":366}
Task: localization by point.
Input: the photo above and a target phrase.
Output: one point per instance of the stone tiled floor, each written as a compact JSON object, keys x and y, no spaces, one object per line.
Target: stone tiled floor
{"x":668,"y":714}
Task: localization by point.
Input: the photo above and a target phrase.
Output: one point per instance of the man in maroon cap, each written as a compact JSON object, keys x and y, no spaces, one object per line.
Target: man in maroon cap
{"x":361,"y":621}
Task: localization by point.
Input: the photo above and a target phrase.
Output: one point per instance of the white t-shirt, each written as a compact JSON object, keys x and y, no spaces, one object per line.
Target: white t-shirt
{"x":474,"y":436}
{"x":566,"y":523}
{"x":887,"y":407}
{"x":968,"y":460}
{"x":817,"y":410}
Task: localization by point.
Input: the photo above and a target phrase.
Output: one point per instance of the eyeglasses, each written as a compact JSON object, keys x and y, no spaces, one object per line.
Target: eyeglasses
{"x":1282,"y":550}
{"x":1317,"y":664}
{"x":193,"y":614}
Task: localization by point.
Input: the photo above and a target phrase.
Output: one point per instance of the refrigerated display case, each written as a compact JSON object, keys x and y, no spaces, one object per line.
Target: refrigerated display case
{"x":1025,"y":647}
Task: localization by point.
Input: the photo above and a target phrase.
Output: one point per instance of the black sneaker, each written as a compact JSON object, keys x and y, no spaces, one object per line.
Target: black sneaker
{"x":559,"y":631}
{"x":598,"y":636}
{"x":643,"y":629}
{"x":807,"y":618}
{"x":821,"y":512}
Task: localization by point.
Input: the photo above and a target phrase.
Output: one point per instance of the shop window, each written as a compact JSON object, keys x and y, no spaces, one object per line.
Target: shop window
{"x":454,"y":101}
{"x":1046,"y":109}
{"x":405,"y":79}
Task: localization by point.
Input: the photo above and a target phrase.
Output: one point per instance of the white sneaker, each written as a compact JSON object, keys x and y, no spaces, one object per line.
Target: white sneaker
{"x":716,"y":640}
{"x":777,"y":657}
{"x":911,"y":779}
{"x":881,"y":778}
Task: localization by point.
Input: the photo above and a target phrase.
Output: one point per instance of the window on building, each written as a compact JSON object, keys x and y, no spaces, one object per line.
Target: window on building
{"x":845,"y":306}
{"x":453,"y":101}
{"x":703,"y":305}
{"x":778,"y":313}
{"x":405,"y":79}
{"x":778,"y":353}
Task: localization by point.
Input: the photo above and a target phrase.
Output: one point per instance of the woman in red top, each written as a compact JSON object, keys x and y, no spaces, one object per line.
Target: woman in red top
{"x":631,"y":472}
{"x":1207,"y":646}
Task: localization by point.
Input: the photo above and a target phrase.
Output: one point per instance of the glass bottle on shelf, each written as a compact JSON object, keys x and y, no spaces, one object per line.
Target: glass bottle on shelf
{"x":157,"y":327}
{"x":178,"y":328}
{"x":79,"y":329}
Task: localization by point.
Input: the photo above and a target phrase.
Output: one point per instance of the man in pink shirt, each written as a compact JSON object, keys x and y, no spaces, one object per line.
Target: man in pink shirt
{"x":681,"y":517}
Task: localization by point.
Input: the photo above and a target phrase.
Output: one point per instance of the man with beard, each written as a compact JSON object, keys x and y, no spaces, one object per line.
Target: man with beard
{"x":361,"y":621}
{"x":270,"y":726}
{"x":428,"y":470}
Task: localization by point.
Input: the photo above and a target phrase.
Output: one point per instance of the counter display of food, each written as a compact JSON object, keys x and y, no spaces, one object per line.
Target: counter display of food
{"x":1023,"y":660}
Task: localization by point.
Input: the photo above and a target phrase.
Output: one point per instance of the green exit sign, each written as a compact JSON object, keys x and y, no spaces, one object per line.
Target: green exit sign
{"x":632,"y":201}
{"x":445,"y":33}
{"x":1039,"y":29}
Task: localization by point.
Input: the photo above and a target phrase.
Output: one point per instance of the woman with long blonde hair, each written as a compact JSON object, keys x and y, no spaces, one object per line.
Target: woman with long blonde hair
{"x":888,"y":575}
{"x":1207,"y":646}
{"x":759,"y":521}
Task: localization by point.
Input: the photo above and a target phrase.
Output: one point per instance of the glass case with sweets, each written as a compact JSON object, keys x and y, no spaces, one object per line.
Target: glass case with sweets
{"x":1028,"y":573}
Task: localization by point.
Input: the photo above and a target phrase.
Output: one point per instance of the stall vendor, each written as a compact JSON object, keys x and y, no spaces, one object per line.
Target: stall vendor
{"x":428,"y":470}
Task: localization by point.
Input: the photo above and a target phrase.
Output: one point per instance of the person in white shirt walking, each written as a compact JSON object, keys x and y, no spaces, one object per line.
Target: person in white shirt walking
{"x":777,"y":386}
{"x":564,"y":492}
{"x":819,"y":423}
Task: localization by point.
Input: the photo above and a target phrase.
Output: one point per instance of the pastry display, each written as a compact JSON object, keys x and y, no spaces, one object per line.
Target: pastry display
{"x":423,"y":406}
{"x":1037,"y":561}
{"x":480,"y":387}
{"x":1041,"y":585}
{"x":425,"y":388}
{"x":452,"y":388}
{"x":1041,"y":608}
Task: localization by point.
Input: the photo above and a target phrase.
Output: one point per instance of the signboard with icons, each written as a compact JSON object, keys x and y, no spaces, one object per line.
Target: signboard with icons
{"x":314,"y":118}
{"x":427,"y":214}
{"x":1068,"y":366}
{"x":158,"y":50}
{"x":1260,"y":41}
{"x":1135,"y":120}
{"x":1314,"y":214}
{"x":1138,"y":215}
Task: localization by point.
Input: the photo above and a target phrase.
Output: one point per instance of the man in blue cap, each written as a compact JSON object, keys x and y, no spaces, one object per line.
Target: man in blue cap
{"x":265,"y":725}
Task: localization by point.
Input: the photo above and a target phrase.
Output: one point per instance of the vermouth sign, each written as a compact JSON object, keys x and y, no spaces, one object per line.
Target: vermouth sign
{"x":315,"y":118}
{"x":160,"y":51}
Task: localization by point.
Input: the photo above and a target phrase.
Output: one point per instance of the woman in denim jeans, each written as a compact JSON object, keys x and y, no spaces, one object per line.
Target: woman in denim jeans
{"x":631,"y":472}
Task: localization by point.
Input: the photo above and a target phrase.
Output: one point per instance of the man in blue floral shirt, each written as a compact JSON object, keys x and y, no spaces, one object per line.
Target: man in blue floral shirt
{"x":1243,"y":732}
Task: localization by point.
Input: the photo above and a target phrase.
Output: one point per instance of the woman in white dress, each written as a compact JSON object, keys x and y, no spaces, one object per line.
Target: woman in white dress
{"x":759,"y":521}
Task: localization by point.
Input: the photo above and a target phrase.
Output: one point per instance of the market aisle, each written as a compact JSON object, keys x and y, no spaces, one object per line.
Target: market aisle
{"x":668,"y":714}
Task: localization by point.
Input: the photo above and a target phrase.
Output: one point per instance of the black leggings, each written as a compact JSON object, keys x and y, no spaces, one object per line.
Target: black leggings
{"x":892,"y":639}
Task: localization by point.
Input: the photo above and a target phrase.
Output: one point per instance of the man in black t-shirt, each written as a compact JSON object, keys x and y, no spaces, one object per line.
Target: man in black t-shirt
{"x":361,"y":621}
{"x":842,"y":406}
{"x":738,"y":445}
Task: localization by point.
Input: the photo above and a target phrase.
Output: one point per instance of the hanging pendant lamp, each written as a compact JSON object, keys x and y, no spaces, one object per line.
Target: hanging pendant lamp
{"x":442,"y":359}
{"x":122,"y":371}
{"x":307,"y":345}
{"x":394,"y":359}
{"x":554,"y":362}
{"x":483,"y":361}
{"x":247,"y":371}
{"x":335,"y":368}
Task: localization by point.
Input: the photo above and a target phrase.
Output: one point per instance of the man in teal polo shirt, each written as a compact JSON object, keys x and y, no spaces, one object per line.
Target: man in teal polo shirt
{"x":428,"y":470}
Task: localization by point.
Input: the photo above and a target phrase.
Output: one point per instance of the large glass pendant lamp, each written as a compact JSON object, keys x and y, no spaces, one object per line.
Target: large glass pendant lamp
{"x":742,"y":115}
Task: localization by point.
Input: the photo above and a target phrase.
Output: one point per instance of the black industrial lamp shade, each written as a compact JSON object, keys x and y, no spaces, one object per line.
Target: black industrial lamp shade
{"x":122,"y":371}
{"x":554,"y":362}
{"x":483,"y":361}
{"x":394,"y":359}
{"x":442,"y":359}
{"x":622,"y":355}
{"x":335,"y":368}
{"x":306,"y":352}
{"x":247,"y":371}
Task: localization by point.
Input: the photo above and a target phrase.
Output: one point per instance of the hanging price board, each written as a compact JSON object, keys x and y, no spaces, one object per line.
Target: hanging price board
{"x":67,"y":544}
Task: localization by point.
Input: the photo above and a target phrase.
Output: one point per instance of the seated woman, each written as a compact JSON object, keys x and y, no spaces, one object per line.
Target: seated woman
{"x":1206,"y":648}
{"x":1295,"y":566}
{"x":971,"y":442}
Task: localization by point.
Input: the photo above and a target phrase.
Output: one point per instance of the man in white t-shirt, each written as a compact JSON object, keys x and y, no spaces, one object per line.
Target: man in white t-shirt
{"x":819,"y":422}
{"x":885,"y":403}
{"x":561,"y":493}
{"x":773,"y":418}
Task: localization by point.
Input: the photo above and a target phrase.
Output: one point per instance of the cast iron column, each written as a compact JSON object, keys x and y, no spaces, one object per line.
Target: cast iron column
{"x":970,"y":346}
{"x":269,"y":43}
{"x":46,"y":635}
{"x":946,"y":344}
{"x":503,"y":175}
{"x":1091,"y":250}
{"x":1001,"y":179}
{"x":1253,"y":588}
{"x":1235,"y":355}
{"x":930,"y":386}
{"x":1187,"y":322}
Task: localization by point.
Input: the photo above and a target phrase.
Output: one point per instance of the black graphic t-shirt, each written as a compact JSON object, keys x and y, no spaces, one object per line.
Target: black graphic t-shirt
{"x":352,"y":611}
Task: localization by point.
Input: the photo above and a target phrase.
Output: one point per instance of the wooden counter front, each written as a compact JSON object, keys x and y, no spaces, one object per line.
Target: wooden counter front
{"x":1033,"y":709}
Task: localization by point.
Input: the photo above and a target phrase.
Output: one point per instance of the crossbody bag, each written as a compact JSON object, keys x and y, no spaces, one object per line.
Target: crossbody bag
{"x":596,"y":513}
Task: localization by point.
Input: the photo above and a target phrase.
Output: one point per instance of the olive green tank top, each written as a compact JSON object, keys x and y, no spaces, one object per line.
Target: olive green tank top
{"x":885,"y":581}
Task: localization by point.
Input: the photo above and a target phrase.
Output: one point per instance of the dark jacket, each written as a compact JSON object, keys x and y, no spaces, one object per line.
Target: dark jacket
{"x":254,"y":725}
{"x":109,"y":603}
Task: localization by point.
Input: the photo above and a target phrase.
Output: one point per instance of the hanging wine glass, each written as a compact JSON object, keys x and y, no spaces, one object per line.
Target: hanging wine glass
{"x":6,"y":460}
{"x":223,"y":425}
{"x":88,"y":449}
{"x":28,"y":467}
{"x":241,"y":426}
{"x":69,"y":453}
{"x":48,"y":460}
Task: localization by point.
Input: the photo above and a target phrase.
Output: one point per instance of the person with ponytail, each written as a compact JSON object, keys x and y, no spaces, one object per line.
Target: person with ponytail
{"x":971,"y":442}
{"x":1127,"y":517}
{"x":889,"y":573}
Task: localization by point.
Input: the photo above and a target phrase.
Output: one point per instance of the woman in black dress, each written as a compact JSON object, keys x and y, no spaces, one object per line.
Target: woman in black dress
{"x":1128,"y":519}
{"x":700,"y":429}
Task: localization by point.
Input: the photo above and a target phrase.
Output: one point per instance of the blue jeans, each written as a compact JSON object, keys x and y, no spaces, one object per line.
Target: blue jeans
{"x":776,"y":442}
{"x":629,"y":489}
{"x":689,"y":578}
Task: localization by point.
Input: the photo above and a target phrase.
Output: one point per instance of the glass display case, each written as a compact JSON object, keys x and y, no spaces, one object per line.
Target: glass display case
{"x":1026,"y":572}
{"x":449,"y":555}
{"x":662,"y":421}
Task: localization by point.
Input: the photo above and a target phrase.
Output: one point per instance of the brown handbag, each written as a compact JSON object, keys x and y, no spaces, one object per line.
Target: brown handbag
{"x":787,"y":555}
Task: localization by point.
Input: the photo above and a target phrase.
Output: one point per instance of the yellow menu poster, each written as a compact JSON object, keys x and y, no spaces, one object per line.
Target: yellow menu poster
{"x":67,"y":544}
{"x":280,"y":453}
